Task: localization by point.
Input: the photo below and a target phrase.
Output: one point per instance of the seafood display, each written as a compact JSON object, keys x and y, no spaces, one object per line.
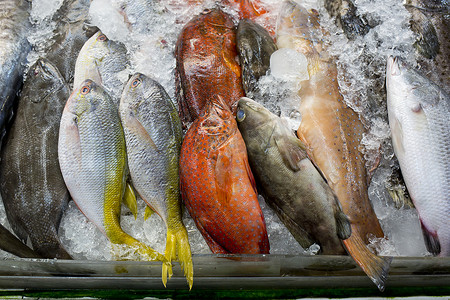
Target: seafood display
{"x":128,"y":132}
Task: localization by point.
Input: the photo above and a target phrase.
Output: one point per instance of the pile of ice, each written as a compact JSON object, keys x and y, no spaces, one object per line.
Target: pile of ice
{"x":148,"y":30}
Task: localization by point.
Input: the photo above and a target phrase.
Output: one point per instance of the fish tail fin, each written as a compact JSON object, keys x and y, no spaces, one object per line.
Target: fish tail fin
{"x":177,"y":246}
{"x":376,"y":267}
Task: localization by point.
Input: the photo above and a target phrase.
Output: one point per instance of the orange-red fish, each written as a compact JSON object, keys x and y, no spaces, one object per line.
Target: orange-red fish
{"x":217,"y":185}
{"x":332,"y":132}
{"x":206,"y":63}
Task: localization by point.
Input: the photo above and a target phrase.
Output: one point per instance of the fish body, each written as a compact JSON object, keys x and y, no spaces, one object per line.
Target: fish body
{"x":92,"y":156}
{"x":14,"y":48}
{"x":100,"y":59}
{"x":217,"y":185}
{"x":11,"y":244}
{"x":255,"y":46}
{"x":419,"y":118}
{"x":289,"y":182}
{"x":153,"y":135}
{"x":430,"y":20}
{"x":205,"y":63}
{"x":31,"y":184}
{"x":332,"y":133}
{"x":346,"y":17}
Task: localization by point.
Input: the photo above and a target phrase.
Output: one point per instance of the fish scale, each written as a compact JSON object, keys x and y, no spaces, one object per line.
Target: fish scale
{"x":419,"y":117}
{"x":217,"y":185}
{"x":92,"y":156}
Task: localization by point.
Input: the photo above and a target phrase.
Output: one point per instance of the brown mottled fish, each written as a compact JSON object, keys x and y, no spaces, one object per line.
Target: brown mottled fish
{"x":332,"y":133}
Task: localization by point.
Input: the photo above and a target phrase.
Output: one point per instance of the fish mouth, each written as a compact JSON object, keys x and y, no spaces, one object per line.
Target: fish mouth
{"x":393,"y":66}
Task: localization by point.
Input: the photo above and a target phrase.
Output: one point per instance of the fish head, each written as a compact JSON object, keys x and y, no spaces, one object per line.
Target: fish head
{"x":85,"y":99}
{"x":407,"y":89}
{"x":251,"y":115}
{"x":45,"y":78}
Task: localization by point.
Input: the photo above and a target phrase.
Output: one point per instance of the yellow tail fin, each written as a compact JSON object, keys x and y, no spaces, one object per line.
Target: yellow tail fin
{"x":376,"y":267}
{"x":177,"y":245}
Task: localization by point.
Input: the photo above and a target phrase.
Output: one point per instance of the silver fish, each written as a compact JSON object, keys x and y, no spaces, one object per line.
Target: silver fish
{"x":419,"y":118}
{"x":14,"y":48}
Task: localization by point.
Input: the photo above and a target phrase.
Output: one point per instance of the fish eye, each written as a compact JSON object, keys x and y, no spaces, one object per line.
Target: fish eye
{"x":101,"y":37}
{"x":136,"y":82}
{"x":85,"y":89}
{"x":240,"y":116}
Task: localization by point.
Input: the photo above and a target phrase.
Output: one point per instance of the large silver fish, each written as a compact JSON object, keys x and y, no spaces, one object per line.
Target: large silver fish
{"x":289,"y":182}
{"x":14,"y":48}
{"x":31,"y":183}
{"x":419,"y":117}
{"x":153,"y":136}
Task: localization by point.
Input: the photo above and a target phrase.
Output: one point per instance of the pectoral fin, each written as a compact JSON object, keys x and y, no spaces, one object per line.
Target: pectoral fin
{"x":431,"y":240}
{"x":397,"y":136}
{"x":292,"y":150}
{"x":148,"y":212}
{"x":129,"y":199}
{"x":343,"y":226}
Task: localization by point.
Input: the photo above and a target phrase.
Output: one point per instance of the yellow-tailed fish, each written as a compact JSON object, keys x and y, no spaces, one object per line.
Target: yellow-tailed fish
{"x":332,"y":133}
{"x":153,"y":136}
{"x":93,"y":160}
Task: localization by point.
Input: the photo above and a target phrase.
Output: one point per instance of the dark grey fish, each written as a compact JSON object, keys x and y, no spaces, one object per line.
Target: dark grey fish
{"x":430,"y":20}
{"x":289,"y":182}
{"x":14,"y":48}
{"x":255,"y":46}
{"x":11,"y":244}
{"x":346,"y":17}
{"x":31,"y":184}
{"x":70,"y":35}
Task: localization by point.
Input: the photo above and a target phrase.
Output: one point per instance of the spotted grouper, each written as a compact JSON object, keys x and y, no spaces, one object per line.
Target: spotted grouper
{"x":217,"y":185}
{"x":332,"y":133}
{"x":206,"y":64}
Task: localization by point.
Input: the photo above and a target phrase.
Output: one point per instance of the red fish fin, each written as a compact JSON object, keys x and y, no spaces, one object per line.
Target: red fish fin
{"x":250,"y":174}
{"x":223,"y":178}
{"x":250,"y":9}
{"x":212,"y":244}
{"x":431,"y":240}
{"x":376,"y":267}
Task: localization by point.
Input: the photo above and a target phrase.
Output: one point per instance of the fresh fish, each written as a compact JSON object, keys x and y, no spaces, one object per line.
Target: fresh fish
{"x":205,"y":63}
{"x":430,"y":20}
{"x":11,"y":244}
{"x":255,"y":46}
{"x":14,"y":48}
{"x":247,"y":9}
{"x":71,"y":34}
{"x":92,"y":156}
{"x":332,"y":133}
{"x":100,"y":59}
{"x":419,"y":117}
{"x":153,"y":136}
{"x":347,"y":18}
{"x":217,"y":185}
{"x":31,"y":184}
{"x":289,"y":182}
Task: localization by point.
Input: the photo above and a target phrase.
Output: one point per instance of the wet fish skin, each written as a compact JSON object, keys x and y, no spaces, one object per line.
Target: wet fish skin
{"x":255,"y":46}
{"x":217,"y":185}
{"x":153,"y":135}
{"x":332,"y":133}
{"x":344,"y":12}
{"x":419,"y":118}
{"x":289,"y":182}
{"x":205,"y":63}
{"x":92,"y":156}
{"x":430,"y":20}
{"x":14,"y":48}
{"x":31,"y":184}
{"x":11,"y":244}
